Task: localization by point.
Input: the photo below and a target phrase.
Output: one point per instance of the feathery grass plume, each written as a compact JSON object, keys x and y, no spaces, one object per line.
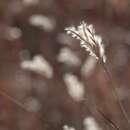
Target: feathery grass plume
{"x":88,"y":40}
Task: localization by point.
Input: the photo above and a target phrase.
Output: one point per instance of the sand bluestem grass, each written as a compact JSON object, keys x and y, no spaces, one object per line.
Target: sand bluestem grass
{"x":93,"y":44}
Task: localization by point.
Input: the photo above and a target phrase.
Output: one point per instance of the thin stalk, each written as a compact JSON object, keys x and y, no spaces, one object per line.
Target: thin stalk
{"x":113,"y":87}
{"x":112,"y":124}
{"x":103,"y":116}
{"x":12,"y":100}
{"x":21,"y":105}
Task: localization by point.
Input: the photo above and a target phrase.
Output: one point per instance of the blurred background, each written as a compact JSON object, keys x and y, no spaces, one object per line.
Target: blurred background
{"x":47,"y":82}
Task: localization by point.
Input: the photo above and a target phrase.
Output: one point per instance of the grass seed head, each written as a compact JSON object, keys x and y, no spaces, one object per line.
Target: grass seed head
{"x":89,"y":40}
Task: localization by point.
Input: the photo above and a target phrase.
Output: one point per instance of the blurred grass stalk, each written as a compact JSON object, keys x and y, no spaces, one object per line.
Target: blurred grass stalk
{"x":115,"y":94}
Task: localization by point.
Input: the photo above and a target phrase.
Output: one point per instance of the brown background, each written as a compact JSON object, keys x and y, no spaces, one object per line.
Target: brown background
{"x":111,"y":19}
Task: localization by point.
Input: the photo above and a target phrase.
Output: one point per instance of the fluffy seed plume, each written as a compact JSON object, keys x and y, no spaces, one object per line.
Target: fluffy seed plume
{"x":88,"y":40}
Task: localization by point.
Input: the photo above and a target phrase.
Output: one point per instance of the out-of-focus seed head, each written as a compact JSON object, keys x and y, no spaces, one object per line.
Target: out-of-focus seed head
{"x":88,"y":40}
